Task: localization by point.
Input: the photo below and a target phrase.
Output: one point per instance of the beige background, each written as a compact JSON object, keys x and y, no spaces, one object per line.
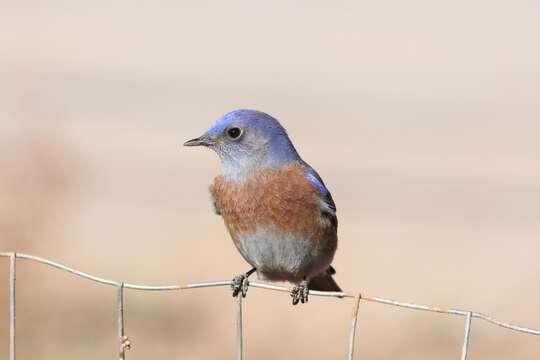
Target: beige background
{"x":421,"y":116}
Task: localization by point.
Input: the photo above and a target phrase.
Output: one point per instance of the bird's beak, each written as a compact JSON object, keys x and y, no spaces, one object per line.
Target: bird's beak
{"x":200,"y":141}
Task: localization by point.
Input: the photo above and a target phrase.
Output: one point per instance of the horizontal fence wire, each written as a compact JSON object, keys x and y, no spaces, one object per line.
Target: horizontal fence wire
{"x":124,"y":343}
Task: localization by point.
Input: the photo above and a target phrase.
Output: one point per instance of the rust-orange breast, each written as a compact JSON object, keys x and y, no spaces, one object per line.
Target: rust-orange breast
{"x":282,"y":199}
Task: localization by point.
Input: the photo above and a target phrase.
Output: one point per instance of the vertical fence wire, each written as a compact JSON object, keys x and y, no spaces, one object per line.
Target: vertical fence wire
{"x":12,"y":279}
{"x":239,"y":335}
{"x":352,"y":331}
{"x":466,"y":337}
{"x":120,"y":308}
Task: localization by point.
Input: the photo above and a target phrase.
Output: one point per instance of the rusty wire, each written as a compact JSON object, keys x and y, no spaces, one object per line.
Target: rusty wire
{"x":122,"y":346}
{"x":239,"y":328}
{"x":465,"y":346}
{"x":124,"y":343}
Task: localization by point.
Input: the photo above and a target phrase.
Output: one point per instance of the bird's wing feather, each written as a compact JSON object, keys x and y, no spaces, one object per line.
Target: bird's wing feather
{"x":328,"y":206}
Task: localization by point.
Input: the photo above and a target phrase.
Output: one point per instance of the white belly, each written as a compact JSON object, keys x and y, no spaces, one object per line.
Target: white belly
{"x":282,"y":256}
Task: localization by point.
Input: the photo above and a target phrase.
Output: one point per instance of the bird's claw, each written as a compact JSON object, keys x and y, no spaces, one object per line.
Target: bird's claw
{"x":300,"y":293}
{"x":239,"y":284}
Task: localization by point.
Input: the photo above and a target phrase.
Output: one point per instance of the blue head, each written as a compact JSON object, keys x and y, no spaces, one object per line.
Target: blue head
{"x":247,"y":141}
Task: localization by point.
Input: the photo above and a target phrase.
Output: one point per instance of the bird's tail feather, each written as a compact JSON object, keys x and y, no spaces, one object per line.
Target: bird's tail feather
{"x":323,"y":282}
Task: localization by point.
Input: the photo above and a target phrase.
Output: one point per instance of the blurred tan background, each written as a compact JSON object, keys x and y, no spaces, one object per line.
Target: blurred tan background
{"x":422,"y":117}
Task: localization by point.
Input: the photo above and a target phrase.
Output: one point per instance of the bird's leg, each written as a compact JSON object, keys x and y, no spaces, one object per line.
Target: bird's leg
{"x":300,"y":292}
{"x":240,"y":283}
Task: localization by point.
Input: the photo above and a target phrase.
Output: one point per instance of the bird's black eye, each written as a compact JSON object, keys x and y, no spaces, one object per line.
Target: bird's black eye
{"x":234,"y":133}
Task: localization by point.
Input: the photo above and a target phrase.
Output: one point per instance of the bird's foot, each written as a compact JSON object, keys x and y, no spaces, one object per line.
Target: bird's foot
{"x":300,"y":293}
{"x":239,"y":284}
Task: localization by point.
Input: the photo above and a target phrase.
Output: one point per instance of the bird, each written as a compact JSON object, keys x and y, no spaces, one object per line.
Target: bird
{"x":277,"y":209}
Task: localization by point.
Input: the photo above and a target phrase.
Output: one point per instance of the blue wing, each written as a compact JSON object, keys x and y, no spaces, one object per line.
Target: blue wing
{"x":328,"y":205}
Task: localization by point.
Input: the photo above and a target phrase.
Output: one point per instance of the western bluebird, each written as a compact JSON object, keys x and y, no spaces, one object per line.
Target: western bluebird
{"x":279,"y":213}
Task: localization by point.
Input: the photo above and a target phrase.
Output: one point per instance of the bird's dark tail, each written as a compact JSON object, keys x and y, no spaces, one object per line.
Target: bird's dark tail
{"x":324,"y":282}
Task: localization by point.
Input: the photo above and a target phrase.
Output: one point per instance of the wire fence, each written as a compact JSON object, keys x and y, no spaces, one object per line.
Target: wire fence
{"x":124,"y":343}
